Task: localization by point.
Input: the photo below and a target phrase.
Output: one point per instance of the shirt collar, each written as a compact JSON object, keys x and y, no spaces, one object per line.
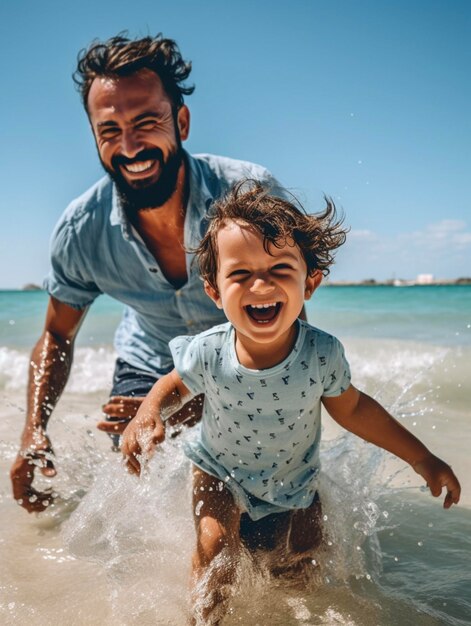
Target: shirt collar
{"x":117,"y":215}
{"x":199,"y":196}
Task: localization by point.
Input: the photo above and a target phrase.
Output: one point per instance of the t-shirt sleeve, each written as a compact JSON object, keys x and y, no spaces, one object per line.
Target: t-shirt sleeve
{"x":68,"y":280}
{"x":186,"y":358}
{"x":338,"y":377}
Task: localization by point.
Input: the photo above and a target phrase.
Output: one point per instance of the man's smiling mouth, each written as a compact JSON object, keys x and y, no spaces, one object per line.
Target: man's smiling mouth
{"x":263,"y":313}
{"x":137,"y":167}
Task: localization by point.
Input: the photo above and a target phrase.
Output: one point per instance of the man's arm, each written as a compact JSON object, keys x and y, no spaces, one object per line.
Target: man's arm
{"x":147,"y":429}
{"x":49,"y":370}
{"x":357,"y":412}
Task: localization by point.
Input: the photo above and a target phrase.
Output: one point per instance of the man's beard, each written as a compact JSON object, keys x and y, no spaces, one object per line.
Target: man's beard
{"x":146,"y":195}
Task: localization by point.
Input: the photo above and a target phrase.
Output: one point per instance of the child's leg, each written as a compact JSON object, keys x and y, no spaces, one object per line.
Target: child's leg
{"x":217,"y":520}
{"x":299,"y":540}
{"x":305,"y":533}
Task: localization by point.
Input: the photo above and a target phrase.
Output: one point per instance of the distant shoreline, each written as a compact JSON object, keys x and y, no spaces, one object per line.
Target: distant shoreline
{"x":337,"y":283}
{"x":397,"y":283}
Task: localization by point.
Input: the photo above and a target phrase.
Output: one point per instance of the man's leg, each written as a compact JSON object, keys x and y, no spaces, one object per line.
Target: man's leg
{"x":130,"y":387}
{"x":217,"y":520}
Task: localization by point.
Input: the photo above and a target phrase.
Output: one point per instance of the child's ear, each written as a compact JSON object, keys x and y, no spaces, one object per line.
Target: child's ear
{"x":312,"y":283}
{"x":213,"y":294}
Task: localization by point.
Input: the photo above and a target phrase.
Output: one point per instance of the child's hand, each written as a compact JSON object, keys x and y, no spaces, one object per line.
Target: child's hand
{"x":141,"y":436}
{"x":437,"y":475}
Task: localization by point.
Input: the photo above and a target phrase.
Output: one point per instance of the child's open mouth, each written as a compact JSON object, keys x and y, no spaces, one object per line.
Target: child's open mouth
{"x":263,"y":313}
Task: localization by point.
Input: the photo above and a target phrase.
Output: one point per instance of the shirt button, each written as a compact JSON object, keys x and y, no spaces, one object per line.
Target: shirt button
{"x":154,"y":270}
{"x":178,"y":293}
{"x":189,"y":323}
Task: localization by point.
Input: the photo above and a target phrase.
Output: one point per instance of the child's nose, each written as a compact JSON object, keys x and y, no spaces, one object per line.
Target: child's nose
{"x":262,"y":284}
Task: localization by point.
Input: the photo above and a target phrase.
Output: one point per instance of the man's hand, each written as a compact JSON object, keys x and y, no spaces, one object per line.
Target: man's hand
{"x":438,"y":474}
{"x":49,"y":369}
{"x":121,"y":410}
{"x":36,"y":452}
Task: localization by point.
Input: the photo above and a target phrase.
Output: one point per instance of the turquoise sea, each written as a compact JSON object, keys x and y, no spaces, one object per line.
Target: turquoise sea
{"x":119,"y":549}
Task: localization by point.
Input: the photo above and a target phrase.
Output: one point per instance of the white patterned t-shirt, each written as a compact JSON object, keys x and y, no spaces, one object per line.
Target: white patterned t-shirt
{"x":260,"y":429}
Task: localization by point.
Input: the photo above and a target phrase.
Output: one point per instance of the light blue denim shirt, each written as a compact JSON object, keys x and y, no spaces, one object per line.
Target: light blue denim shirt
{"x":96,"y":250}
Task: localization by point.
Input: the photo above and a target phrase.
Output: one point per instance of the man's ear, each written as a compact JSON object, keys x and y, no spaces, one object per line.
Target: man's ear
{"x":183,"y":121}
{"x":213,"y":294}
{"x":312,"y":283}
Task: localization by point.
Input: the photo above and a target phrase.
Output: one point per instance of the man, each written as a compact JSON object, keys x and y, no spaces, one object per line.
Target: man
{"x":129,"y":236}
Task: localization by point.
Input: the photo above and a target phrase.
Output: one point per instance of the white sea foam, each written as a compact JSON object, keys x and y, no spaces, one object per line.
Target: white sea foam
{"x":373,"y":362}
{"x":91,"y":371}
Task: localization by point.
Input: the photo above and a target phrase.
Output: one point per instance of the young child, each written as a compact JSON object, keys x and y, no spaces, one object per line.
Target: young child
{"x":264,"y":375}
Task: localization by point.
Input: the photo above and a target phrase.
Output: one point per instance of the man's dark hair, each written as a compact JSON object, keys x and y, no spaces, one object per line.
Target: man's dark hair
{"x":121,"y":56}
{"x":278,"y":221}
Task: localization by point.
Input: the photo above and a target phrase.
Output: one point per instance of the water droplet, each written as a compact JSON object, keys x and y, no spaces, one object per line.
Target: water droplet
{"x":420,"y":543}
{"x":325,"y":518}
{"x":32,"y":498}
{"x":198,"y":507}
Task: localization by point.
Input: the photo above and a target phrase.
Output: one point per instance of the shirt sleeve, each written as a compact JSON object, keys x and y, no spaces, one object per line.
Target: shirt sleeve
{"x":186,"y":358}
{"x":338,"y":377}
{"x":68,"y":280}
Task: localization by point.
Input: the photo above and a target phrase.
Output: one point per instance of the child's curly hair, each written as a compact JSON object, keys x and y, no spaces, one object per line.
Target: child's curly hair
{"x":278,"y":221}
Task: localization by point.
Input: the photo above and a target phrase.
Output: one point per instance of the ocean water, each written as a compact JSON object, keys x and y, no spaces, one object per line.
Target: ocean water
{"x":115,"y":550}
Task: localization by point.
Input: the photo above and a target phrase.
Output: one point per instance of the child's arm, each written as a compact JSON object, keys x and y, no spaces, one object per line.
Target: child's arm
{"x":147,"y":429}
{"x":363,"y":416}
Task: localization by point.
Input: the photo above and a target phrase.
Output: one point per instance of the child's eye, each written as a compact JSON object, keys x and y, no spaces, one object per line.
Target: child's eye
{"x":280,"y":267}
{"x":241,"y":273}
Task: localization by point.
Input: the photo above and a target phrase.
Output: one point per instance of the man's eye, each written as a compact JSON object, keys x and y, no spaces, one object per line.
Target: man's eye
{"x":146,"y":125}
{"x":106,"y":133}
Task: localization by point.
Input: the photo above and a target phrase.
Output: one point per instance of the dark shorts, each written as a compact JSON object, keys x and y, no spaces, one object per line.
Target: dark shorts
{"x":265,"y":533}
{"x":132,"y":382}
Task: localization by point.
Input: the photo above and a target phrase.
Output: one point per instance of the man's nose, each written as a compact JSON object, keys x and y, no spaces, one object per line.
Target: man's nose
{"x":131,"y":145}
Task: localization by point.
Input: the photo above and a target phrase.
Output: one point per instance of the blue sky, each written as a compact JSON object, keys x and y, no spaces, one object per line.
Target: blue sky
{"x":366,"y":101}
